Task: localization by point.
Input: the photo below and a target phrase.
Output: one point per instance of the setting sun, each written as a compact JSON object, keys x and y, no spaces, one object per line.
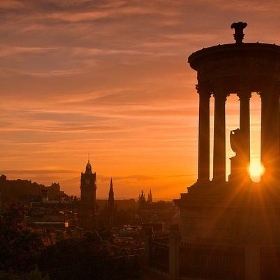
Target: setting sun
{"x":256,"y":169}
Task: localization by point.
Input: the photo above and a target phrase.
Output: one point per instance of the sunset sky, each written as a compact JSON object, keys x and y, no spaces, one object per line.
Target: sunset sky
{"x":111,"y":79}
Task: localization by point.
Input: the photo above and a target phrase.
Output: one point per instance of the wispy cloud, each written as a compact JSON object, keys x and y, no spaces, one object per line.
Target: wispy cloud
{"x":111,"y":78}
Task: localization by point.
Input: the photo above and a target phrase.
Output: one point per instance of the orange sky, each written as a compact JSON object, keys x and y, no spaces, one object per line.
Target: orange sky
{"x":110,"y":78}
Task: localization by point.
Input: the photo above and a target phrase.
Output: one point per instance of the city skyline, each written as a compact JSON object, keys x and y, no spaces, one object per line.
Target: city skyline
{"x":111,"y":79}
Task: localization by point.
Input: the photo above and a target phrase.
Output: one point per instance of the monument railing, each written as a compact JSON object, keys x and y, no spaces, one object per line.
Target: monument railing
{"x":212,"y":261}
{"x":159,"y":254}
{"x":269,"y":262}
{"x":180,"y":260}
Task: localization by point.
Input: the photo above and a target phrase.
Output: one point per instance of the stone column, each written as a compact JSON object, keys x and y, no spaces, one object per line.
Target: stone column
{"x":204,"y":136}
{"x":279,"y":135}
{"x":270,"y":131}
{"x":244,"y":98}
{"x":219,"y":156}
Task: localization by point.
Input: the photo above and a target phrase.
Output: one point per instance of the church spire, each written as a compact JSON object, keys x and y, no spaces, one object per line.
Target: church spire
{"x":150,"y":197}
{"x":111,"y":191}
{"x":88,"y":168}
{"x":111,"y":204}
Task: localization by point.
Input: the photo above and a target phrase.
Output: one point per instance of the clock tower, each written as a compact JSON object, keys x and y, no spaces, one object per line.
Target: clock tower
{"x":88,"y":198}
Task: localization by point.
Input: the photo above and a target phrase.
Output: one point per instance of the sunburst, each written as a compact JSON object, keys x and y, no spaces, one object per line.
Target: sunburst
{"x":256,"y":169}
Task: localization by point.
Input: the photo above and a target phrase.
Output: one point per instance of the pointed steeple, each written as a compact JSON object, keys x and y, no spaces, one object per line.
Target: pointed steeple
{"x":111,"y":204}
{"x":88,"y":168}
{"x":143,"y":196}
{"x":150,"y":198}
{"x":111,"y":191}
{"x":142,"y":200}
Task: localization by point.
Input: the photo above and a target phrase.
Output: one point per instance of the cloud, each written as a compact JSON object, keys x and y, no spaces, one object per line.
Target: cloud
{"x":11,"y":4}
{"x":37,"y":171}
{"x":112,"y":78}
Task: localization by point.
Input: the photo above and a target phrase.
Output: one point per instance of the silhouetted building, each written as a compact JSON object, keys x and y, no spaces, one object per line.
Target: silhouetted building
{"x":150,"y":197}
{"x":141,"y":201}
{"x":87,"y":212}
{"x":111,"y":205}
{"x":18,"y":190}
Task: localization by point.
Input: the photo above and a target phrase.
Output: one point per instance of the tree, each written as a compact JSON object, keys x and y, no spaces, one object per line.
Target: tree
{"x":18,"y":243}
{"x":89,"y":257}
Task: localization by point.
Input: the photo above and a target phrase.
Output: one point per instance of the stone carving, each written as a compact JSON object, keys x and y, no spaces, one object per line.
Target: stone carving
{"x":238,"y":27}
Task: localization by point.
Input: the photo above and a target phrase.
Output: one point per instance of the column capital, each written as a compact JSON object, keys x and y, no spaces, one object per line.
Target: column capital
{"x":244,"y":95}
{"x":203,"y":90}
{"x":221,"y":96}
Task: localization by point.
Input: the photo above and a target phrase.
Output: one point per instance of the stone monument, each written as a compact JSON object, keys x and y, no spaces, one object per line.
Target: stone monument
{"x":235,"y":210}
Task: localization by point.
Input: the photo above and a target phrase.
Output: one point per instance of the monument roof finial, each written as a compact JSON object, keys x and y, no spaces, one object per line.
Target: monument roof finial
{"x":238,"y":27}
